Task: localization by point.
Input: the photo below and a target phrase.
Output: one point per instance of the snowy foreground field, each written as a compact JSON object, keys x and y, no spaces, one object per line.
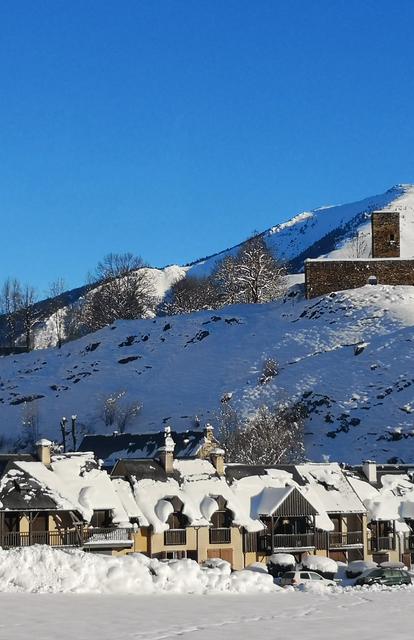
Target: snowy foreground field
{"x":49,"y":594}
{"x":358,"y":614}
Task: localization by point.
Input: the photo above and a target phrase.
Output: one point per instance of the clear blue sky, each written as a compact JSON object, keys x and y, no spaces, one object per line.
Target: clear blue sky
{"x":174,"y":128}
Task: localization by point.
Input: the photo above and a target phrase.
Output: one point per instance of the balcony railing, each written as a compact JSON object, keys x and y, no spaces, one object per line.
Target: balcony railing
{"x":338,"y":540}
{"x":101,"y":536}
{"x":175,"y":537}
{"x":51,"y":538}
{"x":67,"y":538}
{"x":287,"y":541}
{"x":220,"y":535}
{"x":382,"y":543}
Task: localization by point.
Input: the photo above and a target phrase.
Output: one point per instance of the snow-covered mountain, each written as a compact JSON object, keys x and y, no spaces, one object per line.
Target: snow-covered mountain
{"x":328,"y":231}
{"x":347,"y":356}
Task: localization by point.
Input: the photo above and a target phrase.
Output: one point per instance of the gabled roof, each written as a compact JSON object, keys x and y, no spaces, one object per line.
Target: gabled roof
{"x":283,"y":502}
{"x":111,"y":448}
{"x":329,"y":486}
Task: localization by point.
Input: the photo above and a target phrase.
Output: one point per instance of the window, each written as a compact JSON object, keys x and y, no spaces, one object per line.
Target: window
{"x":101,"y":519}
{"x":392,"y":237}
{"x":176,"y":519}
{"x":315,"y":576}
{"x":304,"y":576}
{"x":177,"y":523}
{"x":222,"y":517}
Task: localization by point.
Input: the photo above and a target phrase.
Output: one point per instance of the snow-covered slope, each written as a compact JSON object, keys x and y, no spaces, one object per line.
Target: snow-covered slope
{"x":348,"y":356}
{"x":326,"y":231}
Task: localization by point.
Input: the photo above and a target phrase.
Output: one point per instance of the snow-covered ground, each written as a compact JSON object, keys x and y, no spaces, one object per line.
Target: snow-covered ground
{"x":368,"y":615}
{"x":347,"y":356}
{"x":49,"y":594}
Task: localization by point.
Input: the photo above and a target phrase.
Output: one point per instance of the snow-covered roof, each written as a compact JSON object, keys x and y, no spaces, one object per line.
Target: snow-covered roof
{"x":393,"y":499}
{"x":271,"y":498}
{"x":111,"y":448}
{"x":75,"y":483}
{"x":330,"y":487}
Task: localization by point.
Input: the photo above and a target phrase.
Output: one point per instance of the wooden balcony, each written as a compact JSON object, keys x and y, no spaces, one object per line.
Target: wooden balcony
{"x":338,"y":540}
{"x":87,"y":538}
{"x":101,"y":537}
{"x":52,"y":538}
{"x":175,"y":537}
{"x":287,"y":542}
{"x":220,"y":535}
{"x":386,"y":543}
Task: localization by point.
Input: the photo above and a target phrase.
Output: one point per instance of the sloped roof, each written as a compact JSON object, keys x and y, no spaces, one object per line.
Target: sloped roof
{"x":283,"y":501}
{"x":74,"y":483}
{"x":328,"y":483}
{"x":111,"y":448}
{"x":21,"y":492}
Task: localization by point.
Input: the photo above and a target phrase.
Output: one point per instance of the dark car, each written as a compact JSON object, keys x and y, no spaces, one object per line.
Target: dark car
{"x":389,"y":577}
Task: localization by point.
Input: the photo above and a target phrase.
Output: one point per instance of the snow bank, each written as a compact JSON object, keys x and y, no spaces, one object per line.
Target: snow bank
{"x":40,"y":569}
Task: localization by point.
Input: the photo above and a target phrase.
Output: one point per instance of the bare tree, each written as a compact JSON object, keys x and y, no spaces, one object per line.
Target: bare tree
{"x":123,"y":291}
{"x":27,"y":313}
{"x":271,"y":436}
{"x":30,"y":428}
{"x":190,"y":294}
{"x":117,"y":412}
{"x":73,"y":321}
{"x":10,"y":301}
{"x":358,"y":245}
{"x":226,"y":280}
{"x":253,"y":275}
{"x":57,"y":309}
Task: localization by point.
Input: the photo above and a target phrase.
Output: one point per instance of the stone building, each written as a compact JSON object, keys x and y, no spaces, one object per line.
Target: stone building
{"x":323,"y":276}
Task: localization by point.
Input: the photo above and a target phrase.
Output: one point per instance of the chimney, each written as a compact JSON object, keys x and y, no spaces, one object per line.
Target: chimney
{"x":166,"y":453}
{"x":209,"y":432}
{"x":217,"y":459}
{"x":44,"y":448}
{"x":370,"y":470}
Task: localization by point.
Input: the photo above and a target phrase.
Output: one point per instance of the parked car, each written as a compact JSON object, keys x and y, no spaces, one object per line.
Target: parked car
{"x":295,"y":578}
{"x":385,"y":576}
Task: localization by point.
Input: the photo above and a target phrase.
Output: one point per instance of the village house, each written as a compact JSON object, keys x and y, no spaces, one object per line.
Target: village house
{"x":63,"y":500}
{"x":199,"y":507}
{"x":387,"y":491}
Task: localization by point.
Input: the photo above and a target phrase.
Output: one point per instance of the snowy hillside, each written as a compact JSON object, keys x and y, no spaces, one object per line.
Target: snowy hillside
{"x":348,"y":356}
{"x":329,"y":230}
{"x":326,"y":231}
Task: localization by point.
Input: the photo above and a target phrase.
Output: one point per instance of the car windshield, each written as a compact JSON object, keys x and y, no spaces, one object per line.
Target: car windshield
{"x":315,"y":576}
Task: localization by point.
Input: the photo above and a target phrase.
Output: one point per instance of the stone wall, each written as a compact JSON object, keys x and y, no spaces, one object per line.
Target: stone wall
{"x":385,"y":228}
{"x":325,"y":276}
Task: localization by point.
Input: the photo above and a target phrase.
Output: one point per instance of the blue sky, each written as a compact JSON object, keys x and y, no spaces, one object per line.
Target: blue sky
{"x":174,"y":128}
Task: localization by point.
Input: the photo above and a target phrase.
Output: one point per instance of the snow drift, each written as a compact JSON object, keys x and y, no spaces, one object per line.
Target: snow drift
{"x":40,"y":569}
